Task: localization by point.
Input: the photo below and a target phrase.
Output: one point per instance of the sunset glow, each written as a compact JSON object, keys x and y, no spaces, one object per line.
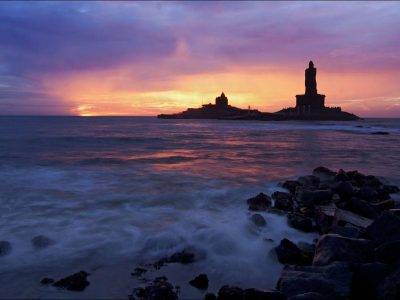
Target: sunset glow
{"x":141,"y":58}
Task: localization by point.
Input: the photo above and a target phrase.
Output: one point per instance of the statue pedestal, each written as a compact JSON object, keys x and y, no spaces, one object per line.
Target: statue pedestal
{"x":310,"y":102}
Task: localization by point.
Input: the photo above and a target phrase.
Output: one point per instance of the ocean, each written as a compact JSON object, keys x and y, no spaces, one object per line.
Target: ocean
{"x":117,"y":192}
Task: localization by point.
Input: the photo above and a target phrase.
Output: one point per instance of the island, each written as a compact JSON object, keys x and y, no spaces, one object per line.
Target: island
{"x":309,"y":106}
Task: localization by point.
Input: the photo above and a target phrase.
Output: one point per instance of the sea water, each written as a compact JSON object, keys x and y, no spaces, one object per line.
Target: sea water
{"x":118,"y":192}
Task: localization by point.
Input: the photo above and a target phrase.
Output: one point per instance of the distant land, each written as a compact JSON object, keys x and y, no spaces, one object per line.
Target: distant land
{"x":309,"y":106}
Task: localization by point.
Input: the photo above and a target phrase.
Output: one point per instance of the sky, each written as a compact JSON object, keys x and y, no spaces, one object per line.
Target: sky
{"x":146,"y":58}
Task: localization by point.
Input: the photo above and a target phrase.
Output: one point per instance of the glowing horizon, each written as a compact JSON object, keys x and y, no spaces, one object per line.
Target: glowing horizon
{"x":91,"y":59}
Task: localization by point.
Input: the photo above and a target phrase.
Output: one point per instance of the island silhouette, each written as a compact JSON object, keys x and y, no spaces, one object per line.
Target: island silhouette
{"x":309,"y":106}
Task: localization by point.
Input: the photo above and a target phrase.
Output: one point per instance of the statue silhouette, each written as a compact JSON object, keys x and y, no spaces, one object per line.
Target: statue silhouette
{"x":311,"y":81}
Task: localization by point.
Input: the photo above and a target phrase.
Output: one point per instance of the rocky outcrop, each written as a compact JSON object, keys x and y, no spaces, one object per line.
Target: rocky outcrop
{"x":74,"y":282}
{"x":258,"y":220}
{"x":160,"y":288}
{"x":200,"y":282}
{"x":261,"y":202}
{"x":289,"y":253}
{"x":5,"y":248}
{"x":41,"y":241}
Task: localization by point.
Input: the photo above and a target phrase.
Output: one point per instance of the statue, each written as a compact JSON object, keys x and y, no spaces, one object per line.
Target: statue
{"x":311,"y":81}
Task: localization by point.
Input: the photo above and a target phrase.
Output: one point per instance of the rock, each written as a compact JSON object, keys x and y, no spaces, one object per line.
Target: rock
{"x":41,"y":241}
{"x":311,"y":198}
{"x":258,"y":220}
{"x":291,"y":185}
{"x":333,"y":247}
{"x":300,"y":222}
{"x":306,"y":247}
{"x":184,"y":257}
{"x":259,"y":202}
{"x":160,"y":288}
{"x":367,"y":193}
{"x":324,"y":173}
{"x":332,"y":281}
{"x":367,"y":278}
{"x":255,"y":294}
{"x":346,"y":231}
{"x":288,"y":253}
{"x":210,"y":296}
{"x":342,"y":176}
{"x":390,"y":287}
{"x":308,"y":296}
{"x":309,"y":181}
{"x":388,"y":252}
{"x":138,"y":272}
{"x":384,"y":229}
{"x":200,"y":282}
{"x":362,"y":208}
{"x":74,"y":282}
{"x":46,"y":280}
{"x":5,"y":248}
{"x":344,"y":189}
{"x":391,"y":189}
{"x":283,"y":201}
{"x":373,"y":181}
{"x":383,"y":205}
{"x":230,"y":293}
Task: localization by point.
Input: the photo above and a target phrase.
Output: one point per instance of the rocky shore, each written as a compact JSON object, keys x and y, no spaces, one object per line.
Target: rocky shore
{"x":356,"y":255}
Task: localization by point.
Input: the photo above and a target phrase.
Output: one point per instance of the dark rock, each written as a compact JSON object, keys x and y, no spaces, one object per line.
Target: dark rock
{"x":306,"y":247}
{"x":259,"y":202}
{"x":333,"y":247}
{"x":390,"y":287}
{"x":200,"y":282}
{"x":230,"y":293}
{"x":210,"y":296}
{"x":391,"y":189}
{"x":373,"y":181}
{"x":160,"y":288}
{"x":46,"y":280}
{"x":5,"y":248}
{"x":138,"y":272}
{"x":362,"y":208}
{"x":184,"y":257}
{"x":367,"y":278}
{"x":324,"y":173}
{"x":382,"y":194}
{"x":255,"y":294}
{"x":41,"y":241}
{"x":311,"y":198}
{"x":74,"y":282}
{"x":343,"y":188}
{"x":342,"y":176}
{"x":291,"y":185}
{"x":300,"y":222}
{"x":346,"y":231}
{"x":388,"y":252}
{"x":309,"y":181}
{"x":367,"y":193}
{"x":258,"y":220}
{"x":288,"y":253}
{"x":283,"y":201}
{"x":332,"y":281}
{"x":385,"y":228}
{"x":308,"y":296}
{"x":383,"y":205}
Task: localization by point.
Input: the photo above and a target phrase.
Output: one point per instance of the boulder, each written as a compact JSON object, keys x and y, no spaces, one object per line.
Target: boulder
{"x":367,"y":193}
{"x":324,"y":173}
{"x":342,"y":176}
{"x":210,"y":296}
{"x":41,"y":241}
{"x":283,"y":201}
{"x":291,"y":185}
{"x":333,"y":247}
{"x":362,"y":208}
{"x":138,"y":272}
{"x":5,"y":248}
{"x":309,"y":181}
{"x":373,"y":181}
{"x":367,"y":278}
{"x":300,"y":222}
{"x":288,"y":253}
{"x":47,"y":280}
{"x":383,"y":205}
{"x":348,"y":231}
{"x":344,"y":189}
{"x":160,"y":288}
{"x":259,"y":202}
{"x":332,"y":281}
{"x":308,"y":296}
{"x":310,"y":198}
{"x":230,"y":293}
{"x":258,"y":220}
{"x":255,"y":294}
{"x":389,"y":289}
{"x":74,"y":282}
{"x":357,"y":179}
{"x":384,"y":229}
{"x":200,"y":282}
{"x":185,"y":256}
{"x":388,"y":252}
{"x":391,"y":189}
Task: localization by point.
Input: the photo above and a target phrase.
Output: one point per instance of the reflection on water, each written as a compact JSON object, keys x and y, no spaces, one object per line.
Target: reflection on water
{"x":134,"y":189}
